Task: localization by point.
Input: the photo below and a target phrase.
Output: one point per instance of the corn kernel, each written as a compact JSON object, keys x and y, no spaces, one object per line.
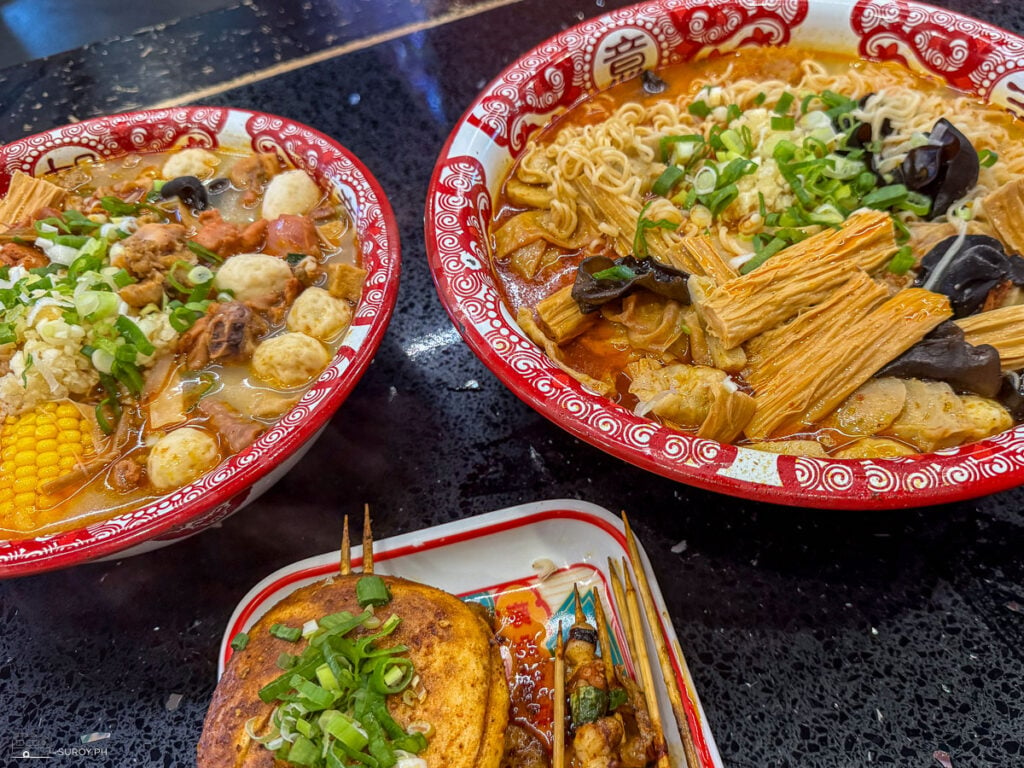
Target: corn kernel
{"x":49,"y":473}
{"x":25,"y":484}
{"x":48,"y":459}
{"x":45,"y":446}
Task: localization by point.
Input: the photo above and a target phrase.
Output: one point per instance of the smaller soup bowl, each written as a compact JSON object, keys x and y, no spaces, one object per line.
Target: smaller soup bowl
{"x":545,"y":82}
{"x":242,"y":477}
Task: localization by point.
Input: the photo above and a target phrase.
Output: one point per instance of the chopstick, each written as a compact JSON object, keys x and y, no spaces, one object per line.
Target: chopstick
{"x":558,"y":711}
{"x":642,"y":661}
{"x":675,"y":694}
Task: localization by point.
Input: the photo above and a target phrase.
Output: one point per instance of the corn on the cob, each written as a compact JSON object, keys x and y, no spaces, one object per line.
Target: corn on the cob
{"x":36,"y":447}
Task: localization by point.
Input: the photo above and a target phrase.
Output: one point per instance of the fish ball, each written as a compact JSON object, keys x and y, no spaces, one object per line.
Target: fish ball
{"x":318,"y":314}
{"x":289,"y":360}
{"x":181,"y":456}
{"x":250,"y":276}
{"x":290,"y":192}
{"x":193,"y":161}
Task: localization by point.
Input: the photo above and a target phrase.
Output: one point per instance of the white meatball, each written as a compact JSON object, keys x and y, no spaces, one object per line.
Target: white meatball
{"x":290,"y":192}
{"x":289,"y":360}
{"x":190,"y":162}
{"x":250,"y":276}
{"x":318,"y":314}
{"x":181,"y":456}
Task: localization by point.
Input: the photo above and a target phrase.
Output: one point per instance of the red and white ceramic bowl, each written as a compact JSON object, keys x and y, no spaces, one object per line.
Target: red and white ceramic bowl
{"x":968,"y":54}
{"x":243,"y":477}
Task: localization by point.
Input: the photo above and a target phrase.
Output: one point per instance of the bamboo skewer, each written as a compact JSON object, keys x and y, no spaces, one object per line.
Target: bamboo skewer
{"x":620,"y":600}
{"x":603,"y":638}
{"x":675,"y":694}
{"x":558,"y":710}
{"x":346,"y":550}
{"x":643,"y":662}
{"x":367,"y":541}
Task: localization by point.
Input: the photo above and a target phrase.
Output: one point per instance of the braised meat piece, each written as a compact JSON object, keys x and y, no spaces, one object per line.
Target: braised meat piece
{"x":17,"y":254}
{"x":235,"y":430}
{"x":152,"y":250}
{"x":289,"y":233}
{"x":226,"y":239}
{"x":227,"y":334}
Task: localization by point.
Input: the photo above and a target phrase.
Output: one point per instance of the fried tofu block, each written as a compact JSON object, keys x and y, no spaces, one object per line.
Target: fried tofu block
{"x":345,"y":281}
{"x":450,"y":645}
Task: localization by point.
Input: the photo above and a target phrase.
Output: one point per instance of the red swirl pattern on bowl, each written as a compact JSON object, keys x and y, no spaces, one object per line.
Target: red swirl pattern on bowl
{"x":244,"y":476}
{"x":966,"y":53}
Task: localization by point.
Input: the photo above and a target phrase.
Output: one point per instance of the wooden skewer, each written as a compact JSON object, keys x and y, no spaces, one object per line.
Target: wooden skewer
{"x":577,"y":606}
{"x":643,"y":662}
{"x":558,"y":710}
{"x":346,"y":550}
{"x":675,"y":695}
{"x":603,"y":638}
{"x":367,"y":541}
{"x":619,"y":593}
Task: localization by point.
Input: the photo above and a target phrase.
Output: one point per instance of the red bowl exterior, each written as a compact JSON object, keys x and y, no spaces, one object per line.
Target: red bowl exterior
{"x":241,"y":478}
{"x":968,"y":54}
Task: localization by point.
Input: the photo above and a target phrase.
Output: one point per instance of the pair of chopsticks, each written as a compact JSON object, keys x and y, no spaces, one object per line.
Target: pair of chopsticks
{"x":625,"y":589}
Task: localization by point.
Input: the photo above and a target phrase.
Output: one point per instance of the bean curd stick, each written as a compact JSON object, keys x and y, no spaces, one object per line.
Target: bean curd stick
{"x":675,"y":695}
{"x":603,"y":637}
{"x":620,"y":601}
{"x":367,"y":541}
{"x":558,"y":711}
{"x":346,"y":550}
{"x":643,"y":663}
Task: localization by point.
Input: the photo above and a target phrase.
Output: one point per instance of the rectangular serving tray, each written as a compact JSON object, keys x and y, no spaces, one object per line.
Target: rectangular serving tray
{"x":531,"y":554}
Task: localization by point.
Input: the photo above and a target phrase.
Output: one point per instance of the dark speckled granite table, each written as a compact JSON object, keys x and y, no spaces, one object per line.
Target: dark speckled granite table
{"x":816,"y":638}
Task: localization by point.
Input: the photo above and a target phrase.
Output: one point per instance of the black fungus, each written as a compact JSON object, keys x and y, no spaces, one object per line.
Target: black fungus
{"x":189,"y":189}
{"x":976,"y":267}
{"x":591,"y":292}
{"x":1011,"y":395}
{"x":944,"y":355}
{"x":218,"y":186}
{"x":653,"y":85}
{"x":944,"y":169}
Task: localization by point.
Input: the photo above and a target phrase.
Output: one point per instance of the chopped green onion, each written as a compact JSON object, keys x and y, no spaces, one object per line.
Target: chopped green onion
{"x":784,"y":103}
{"x":902,"y":261}
{"x":760,"y":98}
{"x":732,"y":112}
{"x":667,"y":142}
{"x":734,"y":142}
{"x":783,"y":123}
{"x":294,"y":258}
{"x":885,"y":197}
{"x":987,"y":158}
{"x":286,"y":660}
{"x":759,"y":258}
{"x":706,"y":180}
{"x":667,"y":180}
{"x":7,"y":334}
{"x":239,"y":641}
{"x":617,"y":273}
{"x":372,"y":590}
{"x":284,"y":632}
{"x":699,"y":109}
{"x":204,"y":252}
{"x":303,"y":752}
{"x":132,"y":334}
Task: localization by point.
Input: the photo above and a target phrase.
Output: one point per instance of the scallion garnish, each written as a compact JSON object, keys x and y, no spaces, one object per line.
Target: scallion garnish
{"x":372,"y":590}
{"x":902,"y":261}
{"x":664,"y":184}
{"x":987,"y":158}
{"x":699,"y":109}
{"x":204,"y":252}
{"x":284,"y":632}
{"x":784,"y":103}
{"x":239,"y":641}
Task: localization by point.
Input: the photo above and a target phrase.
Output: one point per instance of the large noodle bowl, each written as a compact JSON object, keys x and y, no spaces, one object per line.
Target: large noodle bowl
{"x":803,"y":254}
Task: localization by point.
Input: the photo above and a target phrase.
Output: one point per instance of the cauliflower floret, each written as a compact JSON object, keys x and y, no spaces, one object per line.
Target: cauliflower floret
{"x":289,"y":360}
{"x":318,"y":314}
{"x":290,"y":192}
{"x":193,"y":161}
{"x":250,"y":276}
{"x":181,"y":456}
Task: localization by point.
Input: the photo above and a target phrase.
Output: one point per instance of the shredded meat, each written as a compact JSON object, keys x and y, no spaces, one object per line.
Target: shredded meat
{"x":153,"y":249}
{"x":149,"y":291}
{"x":227,"y":334}
{"x":289,"y":233}
{"x":125,"y":475}
{"x":236,"y":430}
{"x":16,"y":254}
{"x":227,"y":239}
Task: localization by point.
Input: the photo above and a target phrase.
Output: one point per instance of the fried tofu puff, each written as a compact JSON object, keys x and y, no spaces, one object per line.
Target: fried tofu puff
{"x":451,"y":646}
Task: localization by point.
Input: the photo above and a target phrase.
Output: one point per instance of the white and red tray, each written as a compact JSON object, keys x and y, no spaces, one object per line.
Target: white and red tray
{"x":529,"y":555}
